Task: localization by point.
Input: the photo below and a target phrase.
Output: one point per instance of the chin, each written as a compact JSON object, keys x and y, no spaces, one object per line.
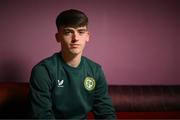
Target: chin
{"x":76,"y":52}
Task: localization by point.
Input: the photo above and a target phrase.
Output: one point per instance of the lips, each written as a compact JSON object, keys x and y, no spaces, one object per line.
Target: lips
{"x":74,"y":45}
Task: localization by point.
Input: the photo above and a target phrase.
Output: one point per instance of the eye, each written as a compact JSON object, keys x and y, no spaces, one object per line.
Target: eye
{"x":81,"y":32}
{"x":66,"y":32}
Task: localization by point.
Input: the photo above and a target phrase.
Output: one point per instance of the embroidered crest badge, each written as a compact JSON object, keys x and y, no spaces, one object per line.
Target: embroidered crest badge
{"x":89,"y":83}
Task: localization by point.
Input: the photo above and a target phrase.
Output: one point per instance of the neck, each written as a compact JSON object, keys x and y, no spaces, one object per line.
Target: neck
{"x":71,"y":60}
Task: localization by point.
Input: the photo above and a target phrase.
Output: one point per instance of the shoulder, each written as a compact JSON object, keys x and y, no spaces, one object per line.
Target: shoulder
{"x":92,"y":65}
{"x":91,"y":62}
{"x":44,"y":72}
{"x":96,"y":70}
{"x":48,"y":62}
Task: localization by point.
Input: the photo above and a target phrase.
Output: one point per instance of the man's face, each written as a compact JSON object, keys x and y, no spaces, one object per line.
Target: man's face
{"x":73,"y":40}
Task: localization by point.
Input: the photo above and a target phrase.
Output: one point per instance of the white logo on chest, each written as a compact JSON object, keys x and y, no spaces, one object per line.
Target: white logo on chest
{"x":60,"y":83}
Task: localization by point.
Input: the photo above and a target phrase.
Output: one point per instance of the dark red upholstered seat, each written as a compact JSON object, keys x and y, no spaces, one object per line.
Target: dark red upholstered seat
{"x":130,"y":102}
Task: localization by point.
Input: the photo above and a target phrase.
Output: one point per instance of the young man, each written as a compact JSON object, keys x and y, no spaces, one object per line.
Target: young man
{"x":68,"y":85}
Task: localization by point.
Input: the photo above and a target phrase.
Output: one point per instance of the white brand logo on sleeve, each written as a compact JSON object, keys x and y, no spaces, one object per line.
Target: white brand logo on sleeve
{"x":60,"y":83}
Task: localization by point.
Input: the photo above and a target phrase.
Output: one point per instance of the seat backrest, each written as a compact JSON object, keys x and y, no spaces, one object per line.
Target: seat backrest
{"x":14,"y":102}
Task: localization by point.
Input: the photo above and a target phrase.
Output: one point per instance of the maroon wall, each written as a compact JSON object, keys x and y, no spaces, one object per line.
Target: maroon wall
{"x":136,"y":41}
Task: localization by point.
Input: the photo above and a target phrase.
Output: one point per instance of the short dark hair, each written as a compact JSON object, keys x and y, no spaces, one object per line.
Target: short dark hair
{"x":71,"y":18}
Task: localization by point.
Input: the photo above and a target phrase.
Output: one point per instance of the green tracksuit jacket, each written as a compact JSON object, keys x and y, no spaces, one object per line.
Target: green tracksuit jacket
{"x":58,"y":90}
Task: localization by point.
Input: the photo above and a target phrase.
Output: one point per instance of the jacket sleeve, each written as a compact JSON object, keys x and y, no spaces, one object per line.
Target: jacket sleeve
{"x":102,"y":107}
{"x":40,"y":95}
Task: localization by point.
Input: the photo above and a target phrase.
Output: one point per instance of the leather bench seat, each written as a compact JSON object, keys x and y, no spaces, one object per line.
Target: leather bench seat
{"x":154,"y":98}
{"x":130,"y":102}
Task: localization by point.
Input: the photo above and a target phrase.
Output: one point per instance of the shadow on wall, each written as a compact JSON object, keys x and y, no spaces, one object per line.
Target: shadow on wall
{"x":11,"y":71}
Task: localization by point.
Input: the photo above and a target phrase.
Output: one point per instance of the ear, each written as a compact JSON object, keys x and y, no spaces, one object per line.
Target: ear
{"x":58,"y":38}
{"x":88,"y":36}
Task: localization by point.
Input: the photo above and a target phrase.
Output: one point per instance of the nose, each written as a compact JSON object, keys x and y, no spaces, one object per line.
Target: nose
{"x":75,"y":37}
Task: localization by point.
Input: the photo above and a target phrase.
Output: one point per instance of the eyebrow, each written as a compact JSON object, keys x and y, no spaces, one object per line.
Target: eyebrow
{"x":78,"y":29}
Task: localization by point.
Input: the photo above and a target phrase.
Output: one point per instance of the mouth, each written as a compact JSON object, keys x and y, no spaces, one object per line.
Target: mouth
{"x":74,"y":45}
